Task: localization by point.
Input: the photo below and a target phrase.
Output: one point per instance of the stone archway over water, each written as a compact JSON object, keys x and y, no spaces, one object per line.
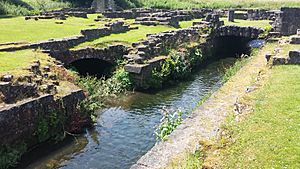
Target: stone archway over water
{"x":93,"y":67}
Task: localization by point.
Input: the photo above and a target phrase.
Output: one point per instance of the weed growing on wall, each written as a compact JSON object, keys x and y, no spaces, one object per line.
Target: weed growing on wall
{"x":51,"y":127}
{"x":9,"y":155}
{"x":177,"y":66}
{"x":169,"y":122}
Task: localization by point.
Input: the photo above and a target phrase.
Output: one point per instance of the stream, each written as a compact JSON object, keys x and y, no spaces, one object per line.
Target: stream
{"x":125,"y":131}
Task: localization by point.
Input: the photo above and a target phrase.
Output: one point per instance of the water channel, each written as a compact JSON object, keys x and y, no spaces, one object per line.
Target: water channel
{"x":125,"y":131}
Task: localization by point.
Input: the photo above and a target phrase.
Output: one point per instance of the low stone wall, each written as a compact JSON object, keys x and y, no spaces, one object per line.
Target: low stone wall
{"x":292,"y":58}
{"x":246,"y":32}
{"x":110,"y":54}
{"x":287,"y":21}
{"x":10,"y":93}
{"x":19,"y":122}
{"x":144,"y":12}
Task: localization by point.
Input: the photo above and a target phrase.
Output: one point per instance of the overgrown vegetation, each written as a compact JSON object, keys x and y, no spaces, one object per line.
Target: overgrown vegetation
{"x":177,"y":66}
{"x":9,"y":155}
{"x":169,"y":122}
{"x":51,"y":127}
{"x":26,"y":7}
{"x":101,"y":89}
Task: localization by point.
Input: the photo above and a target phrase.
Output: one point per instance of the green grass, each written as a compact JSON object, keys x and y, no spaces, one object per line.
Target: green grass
{"x":127,"y":37}
{"x":132,"y":36}
{"x":16,"y":62}
{"x":17,"y":29}
{"x":240,"y":22}
{"x":266,"y":4}
{"x":269,"y":137}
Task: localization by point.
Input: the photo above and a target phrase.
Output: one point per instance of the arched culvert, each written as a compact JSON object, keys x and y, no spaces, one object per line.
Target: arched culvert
{"x":231,"y":46}
{"x":93,"y":67}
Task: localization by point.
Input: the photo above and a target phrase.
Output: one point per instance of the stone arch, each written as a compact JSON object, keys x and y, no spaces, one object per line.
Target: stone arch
{"x":92,"y":66}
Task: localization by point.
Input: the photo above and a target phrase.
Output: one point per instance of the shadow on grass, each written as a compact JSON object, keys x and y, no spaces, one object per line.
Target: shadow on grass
{"x":6,"y":16}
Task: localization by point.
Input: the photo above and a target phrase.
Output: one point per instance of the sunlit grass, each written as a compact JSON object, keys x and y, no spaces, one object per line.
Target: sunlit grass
{"x":240,"y":22}
{"x":269,"y":137}
{"x":17,"y":29}
{"x":127,"y":37}
{"x":16,"y":62}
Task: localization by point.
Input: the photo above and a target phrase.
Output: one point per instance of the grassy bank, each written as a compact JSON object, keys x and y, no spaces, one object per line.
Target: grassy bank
{"x":263,"y":130}
{"x":268,"y":137}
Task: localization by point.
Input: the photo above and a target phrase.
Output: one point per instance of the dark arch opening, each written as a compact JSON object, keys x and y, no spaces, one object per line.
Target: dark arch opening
{"x":93,"y":67}
{"x":231,"y":46}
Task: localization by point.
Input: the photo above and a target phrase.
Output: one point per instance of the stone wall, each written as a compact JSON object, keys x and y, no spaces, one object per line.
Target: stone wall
{"x":148,"y":54}
{"x":10,"y":93}
{"x":19,"y":122}
{"x":287,"y":21}
{"x":110,"y":54}
{"x":292,"y":58}
{"x":246,"y":32}
{"x":144,"y":12}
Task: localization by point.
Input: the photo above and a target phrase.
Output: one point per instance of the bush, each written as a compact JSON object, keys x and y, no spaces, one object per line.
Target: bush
{"x":177,"y":66}
{"x":8,"y":8}
{"x":101,"y":89}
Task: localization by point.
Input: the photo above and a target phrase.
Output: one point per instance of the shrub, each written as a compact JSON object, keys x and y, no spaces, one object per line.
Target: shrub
{"x":177,"y":66}
{"x":101,"y":89}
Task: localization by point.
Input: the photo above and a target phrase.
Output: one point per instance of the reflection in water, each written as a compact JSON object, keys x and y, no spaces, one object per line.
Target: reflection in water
{"x":125,"y":131}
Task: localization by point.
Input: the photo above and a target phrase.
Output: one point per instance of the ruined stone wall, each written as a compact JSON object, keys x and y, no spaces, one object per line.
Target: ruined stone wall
{"x":110,"y":54}
{"x":19,"y":121}
{"x":255,"y":14}
{"x":144,"y":12}
{"x":287,"y":21}
{"x":240,"y":31}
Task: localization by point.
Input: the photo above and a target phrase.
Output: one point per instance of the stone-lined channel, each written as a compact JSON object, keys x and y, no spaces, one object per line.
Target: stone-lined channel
{"x":125,"y":131}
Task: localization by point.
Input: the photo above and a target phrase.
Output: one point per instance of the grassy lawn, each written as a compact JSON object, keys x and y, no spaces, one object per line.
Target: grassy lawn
{"x":132,"y":36}
{"x":127,"y":37}
{"x":16,"y":62}
{"x":17,"y":29}
{"x":240,"y":22}
{"x":269,"y":137}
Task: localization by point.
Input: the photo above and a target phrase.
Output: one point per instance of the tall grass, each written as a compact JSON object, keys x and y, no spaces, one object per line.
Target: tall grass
{"x":26,"y":7}
{"x":189,"y":4}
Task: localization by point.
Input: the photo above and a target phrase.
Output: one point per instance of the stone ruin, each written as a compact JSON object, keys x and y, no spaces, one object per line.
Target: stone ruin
{"x":103,"y":5}
{"x":146,"y":16}
{"x":287,"y":21}
{"x":295,"y":39}
{"x":62,"y":14}
{"x":256,"y":14}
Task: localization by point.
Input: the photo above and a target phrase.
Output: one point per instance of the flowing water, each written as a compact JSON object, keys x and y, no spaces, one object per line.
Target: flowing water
{"x":125,"y":131}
